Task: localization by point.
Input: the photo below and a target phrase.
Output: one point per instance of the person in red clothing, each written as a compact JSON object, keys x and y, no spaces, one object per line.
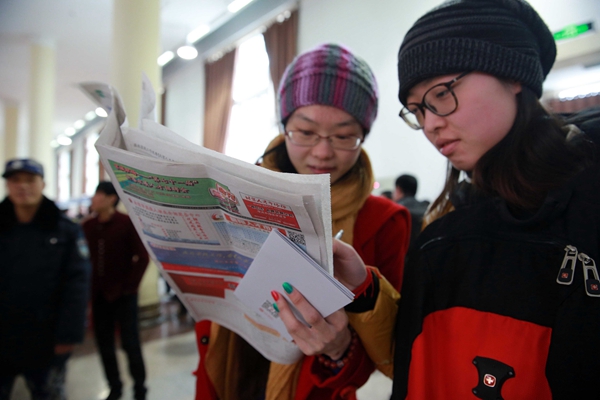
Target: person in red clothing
{"x":327,"y":102}
{"x":119,"y":260}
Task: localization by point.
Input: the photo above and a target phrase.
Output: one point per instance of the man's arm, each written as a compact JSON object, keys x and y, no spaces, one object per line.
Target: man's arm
{"x":74,"y":292}
{"x":139,"y":260}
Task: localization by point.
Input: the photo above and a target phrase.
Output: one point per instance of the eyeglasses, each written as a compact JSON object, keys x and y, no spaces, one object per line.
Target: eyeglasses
{"x":310,"y":139}
{"x":439,"y":99}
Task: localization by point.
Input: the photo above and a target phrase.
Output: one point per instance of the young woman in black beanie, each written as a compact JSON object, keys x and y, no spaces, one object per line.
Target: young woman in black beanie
{"x":501,"y":294}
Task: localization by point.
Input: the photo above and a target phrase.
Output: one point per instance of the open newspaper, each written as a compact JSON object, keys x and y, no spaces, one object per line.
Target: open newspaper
{"x":203,"y":216}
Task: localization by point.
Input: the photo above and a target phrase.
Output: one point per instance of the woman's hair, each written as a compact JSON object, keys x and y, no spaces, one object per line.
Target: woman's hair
{"x":279,"y":158}
{"x":532,"y":159}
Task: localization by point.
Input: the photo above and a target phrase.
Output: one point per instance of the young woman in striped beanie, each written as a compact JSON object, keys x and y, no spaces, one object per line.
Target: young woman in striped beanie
{"x":501,"y":293}
{"x":327,"y":104}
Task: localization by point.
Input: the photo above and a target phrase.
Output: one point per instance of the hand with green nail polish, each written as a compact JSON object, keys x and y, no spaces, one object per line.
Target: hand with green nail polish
{"x":330,"y":336}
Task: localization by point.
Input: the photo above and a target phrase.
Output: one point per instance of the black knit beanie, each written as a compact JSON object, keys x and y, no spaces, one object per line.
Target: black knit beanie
{"x":504,"y":38}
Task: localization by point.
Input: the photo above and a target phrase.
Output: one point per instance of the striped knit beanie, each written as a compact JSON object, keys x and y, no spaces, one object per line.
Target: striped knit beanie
{"x":329,"y":75}
{"x":504,"y":38}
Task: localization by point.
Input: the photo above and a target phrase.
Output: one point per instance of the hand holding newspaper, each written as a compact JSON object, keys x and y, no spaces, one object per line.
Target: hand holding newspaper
{"x":279,"y":260}
{"x":204,"y":217}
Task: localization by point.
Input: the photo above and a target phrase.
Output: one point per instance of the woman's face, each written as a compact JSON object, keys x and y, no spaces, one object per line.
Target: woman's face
{"x":486,"y":110}
{"x":322,"y":158}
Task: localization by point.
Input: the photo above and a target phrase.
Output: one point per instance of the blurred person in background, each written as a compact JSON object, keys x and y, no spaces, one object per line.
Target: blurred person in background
{"x":44,"y":282}
{"x":119,"y":260}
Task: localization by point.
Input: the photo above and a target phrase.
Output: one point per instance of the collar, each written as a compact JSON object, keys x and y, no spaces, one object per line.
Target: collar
{"x":46,"y":217}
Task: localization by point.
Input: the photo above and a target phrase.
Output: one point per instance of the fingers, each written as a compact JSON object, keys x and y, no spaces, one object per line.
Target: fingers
{"x":349,"y":268}
{"x":316,"y":335}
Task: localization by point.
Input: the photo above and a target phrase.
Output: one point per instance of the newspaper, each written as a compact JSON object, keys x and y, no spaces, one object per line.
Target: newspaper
{"x":203,"y":217}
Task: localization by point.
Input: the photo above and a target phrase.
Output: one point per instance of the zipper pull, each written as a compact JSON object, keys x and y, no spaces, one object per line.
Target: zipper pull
{"x":567,"y":269}
{"x":592,"y":284}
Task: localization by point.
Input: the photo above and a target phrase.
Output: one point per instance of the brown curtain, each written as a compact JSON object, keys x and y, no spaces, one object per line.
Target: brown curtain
{"x":218,"y":100}
{"x":575,"y":105}
{"x":281,"y":41}
{"x":163,"y":107}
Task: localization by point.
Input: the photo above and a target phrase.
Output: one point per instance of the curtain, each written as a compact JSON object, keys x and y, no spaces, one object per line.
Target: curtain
{"x":218,"y":100}
{"x":281,"y":43}
{"x":163,"y":108}
{"x":575,"y":105}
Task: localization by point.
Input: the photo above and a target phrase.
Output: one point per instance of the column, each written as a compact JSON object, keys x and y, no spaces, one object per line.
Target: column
{"x":41,"y":110}
{"x":11,"y":134}
{"x":135,"y":48}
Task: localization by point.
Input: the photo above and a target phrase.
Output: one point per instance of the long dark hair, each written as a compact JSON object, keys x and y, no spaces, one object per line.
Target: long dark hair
{"x":533,"y":158}
{"x":280,"y":157}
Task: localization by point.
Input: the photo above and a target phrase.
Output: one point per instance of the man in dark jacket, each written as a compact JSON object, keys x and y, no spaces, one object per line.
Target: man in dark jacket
{"x":404,"y":194}
{"x":119,"y":260}
{"x":44,"y":281}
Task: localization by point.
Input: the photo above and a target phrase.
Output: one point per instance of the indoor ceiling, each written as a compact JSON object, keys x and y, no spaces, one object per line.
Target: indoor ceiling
{"x":80,"y":31}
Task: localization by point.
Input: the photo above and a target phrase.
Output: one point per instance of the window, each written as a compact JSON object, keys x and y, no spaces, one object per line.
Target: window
{"x":253,"y":122}
{"x":92,"y":164}
{"x":64,"y":175}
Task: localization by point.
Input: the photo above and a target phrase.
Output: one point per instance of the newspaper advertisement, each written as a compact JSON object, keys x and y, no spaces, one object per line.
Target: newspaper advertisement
{"x":204,"y":216}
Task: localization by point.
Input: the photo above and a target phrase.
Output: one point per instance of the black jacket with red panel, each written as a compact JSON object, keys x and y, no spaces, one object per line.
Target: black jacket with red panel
{"x":495,"y":307}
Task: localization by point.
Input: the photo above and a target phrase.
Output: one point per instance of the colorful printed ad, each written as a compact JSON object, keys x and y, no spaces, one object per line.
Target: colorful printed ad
{"x":202,"y":192}
{"x":205,"y":286}
{"x":271,"y":211}
{"x":229,"y":262}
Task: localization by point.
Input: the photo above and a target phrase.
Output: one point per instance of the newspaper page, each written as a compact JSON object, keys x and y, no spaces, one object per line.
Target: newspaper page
{"x":204,"y":216}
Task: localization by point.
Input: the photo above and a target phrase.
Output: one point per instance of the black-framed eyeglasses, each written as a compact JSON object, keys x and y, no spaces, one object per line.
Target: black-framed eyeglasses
{"x":439,"y":99}
{"x":310,"y":139}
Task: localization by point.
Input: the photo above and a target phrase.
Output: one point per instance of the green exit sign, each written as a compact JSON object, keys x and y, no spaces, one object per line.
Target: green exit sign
{"x":572,"y":31}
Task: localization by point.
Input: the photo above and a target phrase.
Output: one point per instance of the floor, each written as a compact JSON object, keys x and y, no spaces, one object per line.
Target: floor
{"x":170,"y":353}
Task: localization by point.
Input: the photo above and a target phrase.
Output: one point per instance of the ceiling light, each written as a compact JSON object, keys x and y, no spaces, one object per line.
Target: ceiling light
{"x":283,"y":16}
{"x":197,"y":33}
{"x":90,"y":115}
{"x":237,"y":5}
{"x":101,"y":112}
{"x":187,"y":52}
{"x":63,"y":140}
{"x":165,"y":57}
{"x":79,"y":124}
{"x":70,"y":131}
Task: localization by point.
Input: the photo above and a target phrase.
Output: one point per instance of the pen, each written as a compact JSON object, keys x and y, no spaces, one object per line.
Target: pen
{"x":339,"y":234}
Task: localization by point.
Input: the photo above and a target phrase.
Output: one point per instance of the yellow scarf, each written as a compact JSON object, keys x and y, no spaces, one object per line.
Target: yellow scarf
{"x":348,"y":195}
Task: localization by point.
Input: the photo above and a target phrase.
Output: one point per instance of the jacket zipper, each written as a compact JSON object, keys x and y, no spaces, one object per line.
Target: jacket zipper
{"x":567,"y":268}
{"x":590,"y":275}
{"x":590,"y":272}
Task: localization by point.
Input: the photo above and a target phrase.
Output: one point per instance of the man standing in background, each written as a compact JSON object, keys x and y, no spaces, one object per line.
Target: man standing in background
{"x":404,"y":194}
{"x":44,"y":282}
{"x":119,"y":260}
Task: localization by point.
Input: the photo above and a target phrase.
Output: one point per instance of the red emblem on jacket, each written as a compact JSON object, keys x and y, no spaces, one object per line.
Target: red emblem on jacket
{"x":489,"y":380}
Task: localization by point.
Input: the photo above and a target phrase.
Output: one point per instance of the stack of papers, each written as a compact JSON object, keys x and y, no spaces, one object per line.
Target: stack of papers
{"x":278,"y":261}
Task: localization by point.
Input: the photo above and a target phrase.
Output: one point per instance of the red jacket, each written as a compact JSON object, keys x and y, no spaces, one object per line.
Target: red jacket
{"x":118,"y":256}
{"x":381,"y":238}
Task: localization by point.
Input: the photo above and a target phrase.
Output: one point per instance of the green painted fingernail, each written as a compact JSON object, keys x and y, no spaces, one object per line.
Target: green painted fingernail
{"x":275,"y":307}
{"x":287,"y":287}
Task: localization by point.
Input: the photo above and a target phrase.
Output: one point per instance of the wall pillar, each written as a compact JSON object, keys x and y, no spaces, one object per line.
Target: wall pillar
{"x":10,"y":138}
{"x":135,"y":48}
{"x":41,"y":110}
